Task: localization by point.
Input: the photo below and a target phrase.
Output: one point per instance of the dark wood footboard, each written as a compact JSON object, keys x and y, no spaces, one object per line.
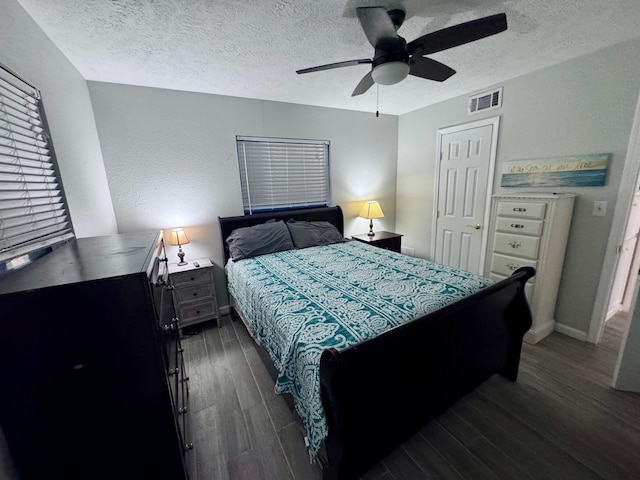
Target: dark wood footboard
{"x":379,"y":393}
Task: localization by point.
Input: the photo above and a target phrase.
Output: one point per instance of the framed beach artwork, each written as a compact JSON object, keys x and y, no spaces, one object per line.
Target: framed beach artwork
{"x":576,"y":171}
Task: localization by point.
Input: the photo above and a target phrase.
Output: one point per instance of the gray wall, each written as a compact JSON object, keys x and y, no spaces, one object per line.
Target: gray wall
{"x":28,"y":51}
{"x":582,"y":106}
{"x":171,"y":160}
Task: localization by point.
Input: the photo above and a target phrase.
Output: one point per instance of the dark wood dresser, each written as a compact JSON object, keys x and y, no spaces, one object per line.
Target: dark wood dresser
{"x":94,"y":385}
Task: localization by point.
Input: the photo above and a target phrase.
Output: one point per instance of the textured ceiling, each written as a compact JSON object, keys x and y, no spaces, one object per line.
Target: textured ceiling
{"x":252,"y":48}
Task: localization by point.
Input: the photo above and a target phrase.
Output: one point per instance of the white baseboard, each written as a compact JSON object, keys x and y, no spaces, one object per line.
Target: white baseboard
{"x":225,"y":310}
{"x":571,"y":332}
{"x":534,"y":336}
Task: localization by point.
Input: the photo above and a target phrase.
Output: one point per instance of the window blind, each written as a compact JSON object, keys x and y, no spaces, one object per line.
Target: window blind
{"x":279,"y":173}
{"x":33,"y":212}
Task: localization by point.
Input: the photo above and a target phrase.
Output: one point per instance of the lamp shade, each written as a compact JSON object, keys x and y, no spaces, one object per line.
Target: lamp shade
{"x":178,"y":237}
{"x":371,"y":209}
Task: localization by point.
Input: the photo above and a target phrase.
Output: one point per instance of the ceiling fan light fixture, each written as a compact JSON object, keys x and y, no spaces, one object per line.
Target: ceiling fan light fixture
{"x":390,"y":73}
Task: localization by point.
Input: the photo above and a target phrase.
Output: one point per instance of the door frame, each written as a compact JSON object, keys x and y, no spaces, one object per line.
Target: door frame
{"x":624,"y":201}
{"x":495,"y":123}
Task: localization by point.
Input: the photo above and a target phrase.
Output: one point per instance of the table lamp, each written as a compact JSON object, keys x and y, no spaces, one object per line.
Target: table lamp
{"x":178,"y":237}
{"x":371,"y":210}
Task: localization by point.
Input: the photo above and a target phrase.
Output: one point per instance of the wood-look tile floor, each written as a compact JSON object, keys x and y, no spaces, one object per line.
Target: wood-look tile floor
{"x":561,"y":420}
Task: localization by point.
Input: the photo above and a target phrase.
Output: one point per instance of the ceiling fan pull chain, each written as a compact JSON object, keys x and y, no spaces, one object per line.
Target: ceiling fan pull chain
{"x":377,"y":100}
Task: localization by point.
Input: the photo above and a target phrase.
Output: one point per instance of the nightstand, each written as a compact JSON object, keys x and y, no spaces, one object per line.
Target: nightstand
{"x":386,"y":240}
{"x":194,"y":295}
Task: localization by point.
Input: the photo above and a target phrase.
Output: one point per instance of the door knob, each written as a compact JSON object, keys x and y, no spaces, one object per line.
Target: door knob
{"x":477,"y":226}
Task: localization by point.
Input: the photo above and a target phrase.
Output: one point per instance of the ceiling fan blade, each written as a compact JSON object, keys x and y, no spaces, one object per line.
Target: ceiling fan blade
{"x":458,"y":34}
{"x":429,"y":69}
{"x":329,"y":66}
{"x":365,"y":84}
{"x":376,"y":23}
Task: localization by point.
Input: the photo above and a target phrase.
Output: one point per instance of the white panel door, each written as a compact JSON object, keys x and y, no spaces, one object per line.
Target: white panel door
{"x":465,"y":163}
{"x":626,"y":271}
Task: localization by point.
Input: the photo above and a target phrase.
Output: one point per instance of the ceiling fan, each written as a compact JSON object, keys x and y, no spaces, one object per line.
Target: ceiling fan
{"x":394,"y":58}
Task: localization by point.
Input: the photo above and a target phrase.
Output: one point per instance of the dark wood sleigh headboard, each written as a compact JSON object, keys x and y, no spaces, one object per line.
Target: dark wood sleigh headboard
{"x":332,"y":215}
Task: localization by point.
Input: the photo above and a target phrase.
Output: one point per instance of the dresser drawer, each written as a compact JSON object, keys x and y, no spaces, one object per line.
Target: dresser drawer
{"x":505,"y":265}
{"x":521,"y":209}
{"x":517,"y":245}
{"x":192,"y":277}
{"x":528,"y":287}
{"x":519,"y":225}
{"x":195,"y":292}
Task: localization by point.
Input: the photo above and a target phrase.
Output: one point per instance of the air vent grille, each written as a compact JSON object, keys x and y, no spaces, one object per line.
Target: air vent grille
{"x":485,"y":101}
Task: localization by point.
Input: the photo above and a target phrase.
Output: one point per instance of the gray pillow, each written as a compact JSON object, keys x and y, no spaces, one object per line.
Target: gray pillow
{"x":309,"y":234}
{"x":270,"y":237}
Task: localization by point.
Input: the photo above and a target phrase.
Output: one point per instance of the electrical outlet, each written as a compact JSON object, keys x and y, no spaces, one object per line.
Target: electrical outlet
{"x":599,"y":208}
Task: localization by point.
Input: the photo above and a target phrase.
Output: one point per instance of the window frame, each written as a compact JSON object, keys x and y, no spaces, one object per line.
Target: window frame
{"x":250,"y":206}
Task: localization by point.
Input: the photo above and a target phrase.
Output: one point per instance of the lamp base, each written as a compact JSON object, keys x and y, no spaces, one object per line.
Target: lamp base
{"x":371,"y":234}
{"x":181,"y":257}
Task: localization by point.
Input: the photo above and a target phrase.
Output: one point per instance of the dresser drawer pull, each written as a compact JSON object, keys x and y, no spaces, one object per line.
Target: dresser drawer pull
{"x":519,"y":209}
{"x":168,"y":328}
{"x":188,"y":446}
{"x":175,"y":371}
{"x":182,"y":410}
{"x":517,"y":225}
{"x":512,"y":266}
{"x":185,"y":379}
{"x":195,"y":294}
{"x":514,"y":244}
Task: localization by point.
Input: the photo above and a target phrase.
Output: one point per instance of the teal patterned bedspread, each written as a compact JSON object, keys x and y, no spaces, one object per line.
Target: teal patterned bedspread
{"x":298,"y":303}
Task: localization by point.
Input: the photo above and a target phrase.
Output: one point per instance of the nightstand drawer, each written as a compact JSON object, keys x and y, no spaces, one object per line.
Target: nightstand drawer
{"x":192,"y":312}
{"x":192,"y":277}
{"x":195,"y":292}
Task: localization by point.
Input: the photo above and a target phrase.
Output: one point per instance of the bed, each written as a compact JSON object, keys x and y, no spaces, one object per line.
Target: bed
{"x":376,"y":388}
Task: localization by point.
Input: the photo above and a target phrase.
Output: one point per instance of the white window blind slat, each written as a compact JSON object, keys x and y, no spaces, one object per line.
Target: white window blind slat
{"x":33,"y":211}
{"x":279,"y":173}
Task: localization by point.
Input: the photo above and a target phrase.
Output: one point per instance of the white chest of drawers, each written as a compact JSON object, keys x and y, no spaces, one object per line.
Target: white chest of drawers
{"x":531,"y":230}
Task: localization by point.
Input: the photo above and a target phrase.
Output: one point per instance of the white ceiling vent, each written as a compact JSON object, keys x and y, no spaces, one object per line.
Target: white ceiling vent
{"x":485,"y":101}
